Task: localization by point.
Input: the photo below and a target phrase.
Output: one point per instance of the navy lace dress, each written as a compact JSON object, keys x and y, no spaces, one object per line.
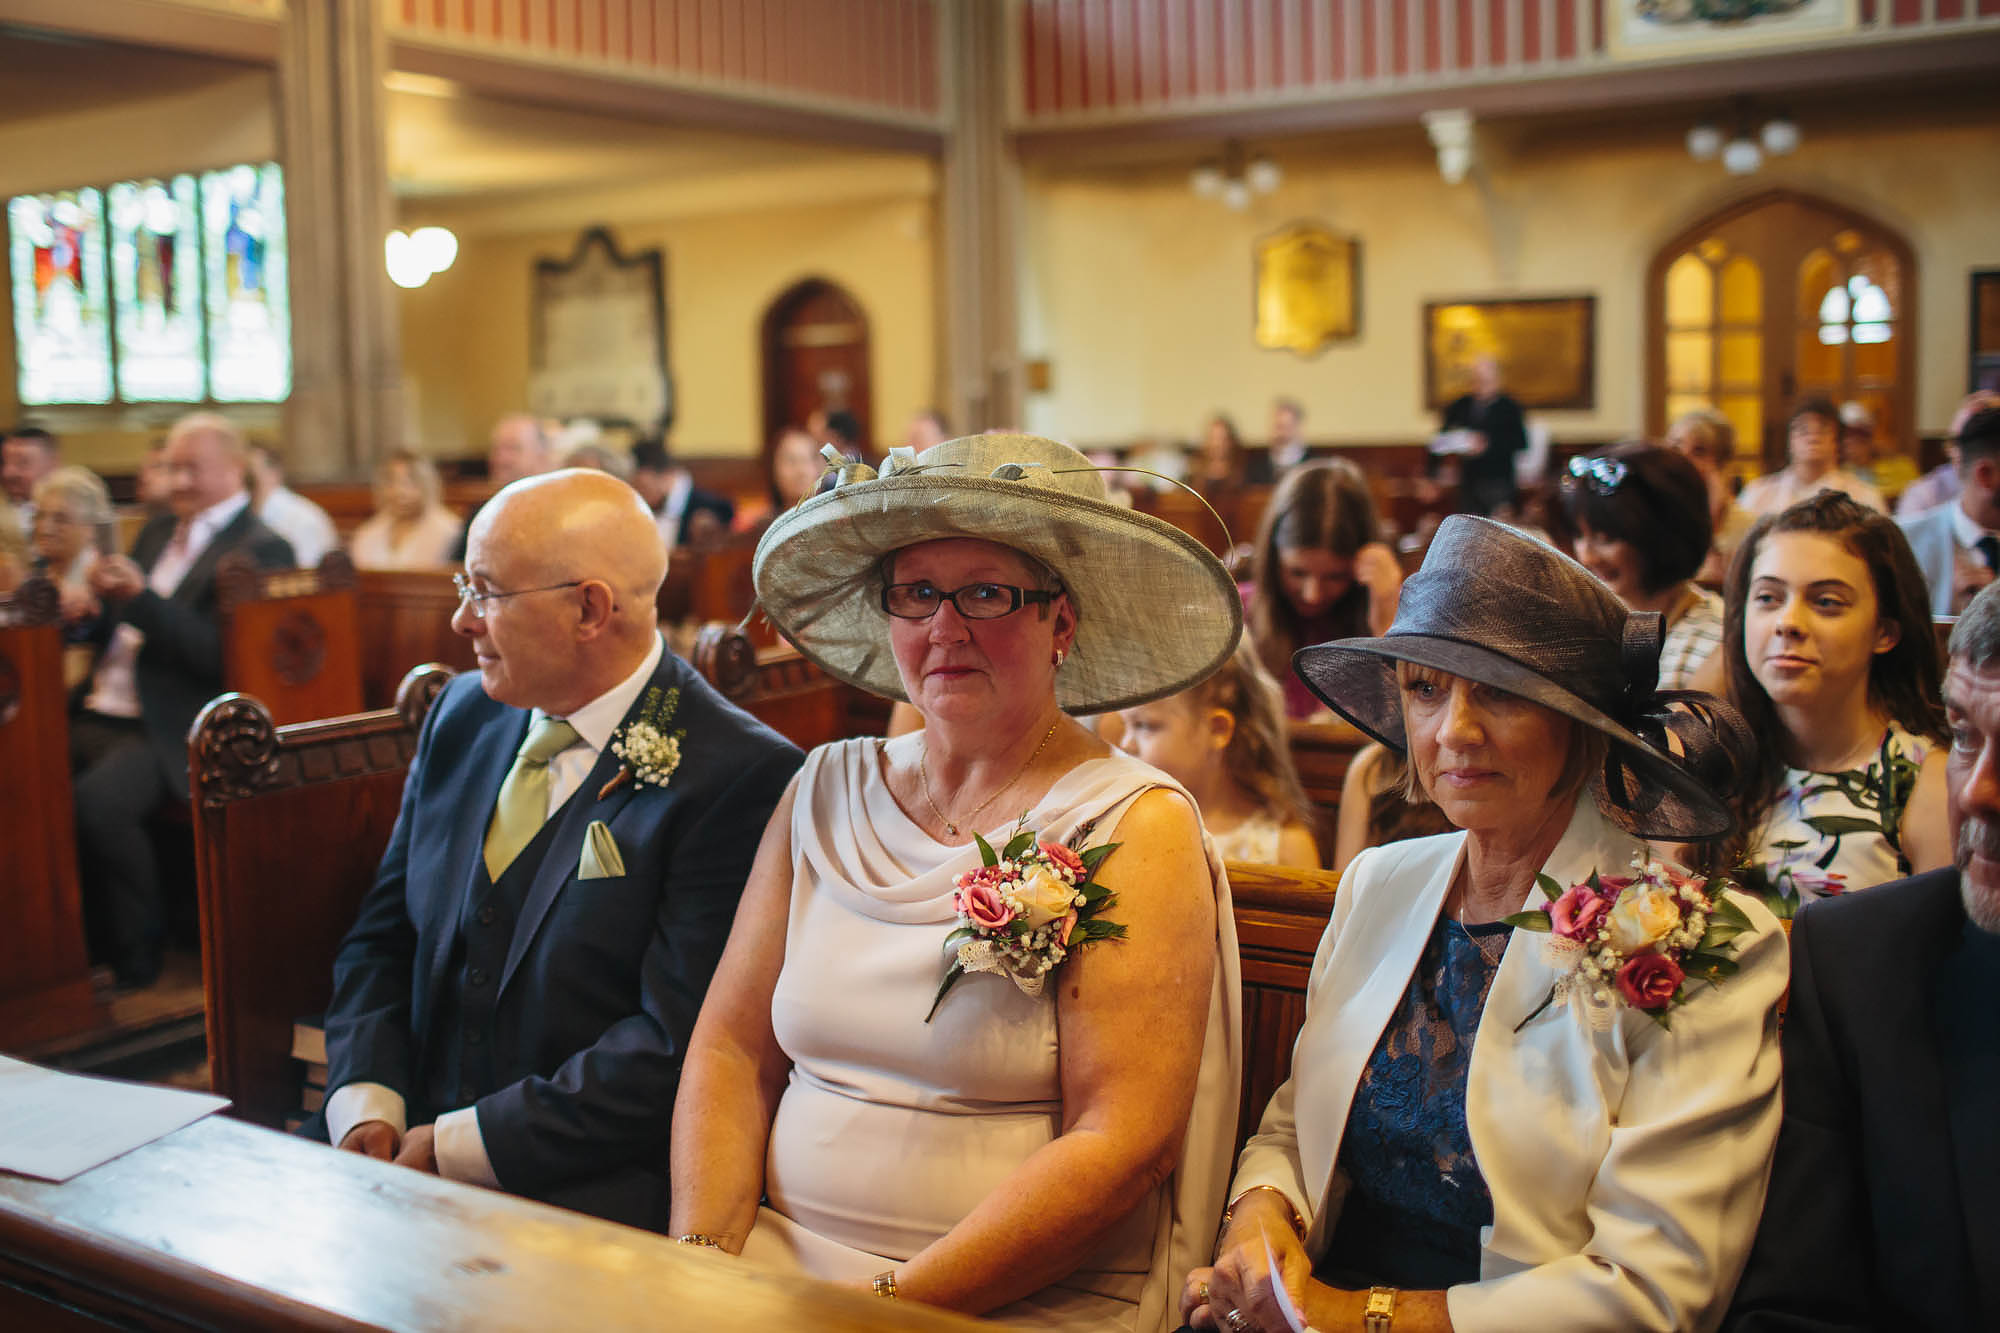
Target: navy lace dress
{"x":1416,"y":1198}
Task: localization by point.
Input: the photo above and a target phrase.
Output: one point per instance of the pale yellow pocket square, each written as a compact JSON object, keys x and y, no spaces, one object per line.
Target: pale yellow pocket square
{"x":600,"y":854}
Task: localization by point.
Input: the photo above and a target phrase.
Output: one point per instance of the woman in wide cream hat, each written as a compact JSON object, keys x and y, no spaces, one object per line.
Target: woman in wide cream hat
{"x":1032,"y":1122}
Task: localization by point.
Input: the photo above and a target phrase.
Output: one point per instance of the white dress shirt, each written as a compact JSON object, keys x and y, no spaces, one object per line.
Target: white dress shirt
{"x":460,"y":1147}
{"x":114,"y":691}
{"x":302,"y":523}
{"x":673,"y":507}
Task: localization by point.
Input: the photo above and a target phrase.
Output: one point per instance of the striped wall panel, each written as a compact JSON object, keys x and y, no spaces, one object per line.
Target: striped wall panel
{"x":878,"y":54}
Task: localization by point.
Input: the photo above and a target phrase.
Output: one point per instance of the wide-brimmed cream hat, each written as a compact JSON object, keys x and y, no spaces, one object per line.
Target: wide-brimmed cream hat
{"x":1156,"y":611}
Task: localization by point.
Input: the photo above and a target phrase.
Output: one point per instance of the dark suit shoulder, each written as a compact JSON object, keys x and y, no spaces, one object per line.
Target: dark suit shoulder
{"x":1864,"y":948}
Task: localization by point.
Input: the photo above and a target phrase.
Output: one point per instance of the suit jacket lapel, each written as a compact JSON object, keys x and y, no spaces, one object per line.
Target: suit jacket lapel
{"x":485,"y":765}
{"x":1968,"y":1028}
{"x":202,"y":571}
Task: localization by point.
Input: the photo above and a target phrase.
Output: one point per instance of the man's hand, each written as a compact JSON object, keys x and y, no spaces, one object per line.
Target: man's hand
{"x":77,"y":604}
{"x":116,"y":578}
{"x":372,"y":1138}
{"x":419,"y":1150}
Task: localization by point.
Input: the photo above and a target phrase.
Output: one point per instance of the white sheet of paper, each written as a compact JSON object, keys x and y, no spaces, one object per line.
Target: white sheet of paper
{"x":54,"y":1125}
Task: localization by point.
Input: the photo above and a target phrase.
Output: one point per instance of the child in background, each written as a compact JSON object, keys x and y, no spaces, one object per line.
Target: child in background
{"x":1224,"y":740}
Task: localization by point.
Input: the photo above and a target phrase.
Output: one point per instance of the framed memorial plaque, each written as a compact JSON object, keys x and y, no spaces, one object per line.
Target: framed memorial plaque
{"x":1544,"y":346}
{"x":1985,"y":370}
{"x":1308,"y":288}
{"x":599,"y":335}
{"x":1671,"y":29}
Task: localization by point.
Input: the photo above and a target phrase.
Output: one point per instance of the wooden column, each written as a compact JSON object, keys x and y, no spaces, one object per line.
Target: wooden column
{"x":346,"y":404}
{"x":978,"y":224}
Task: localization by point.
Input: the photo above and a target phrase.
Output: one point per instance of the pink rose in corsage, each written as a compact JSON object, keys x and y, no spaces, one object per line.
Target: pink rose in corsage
{"x":1639,"y":938}
{"x":1025,"y":909}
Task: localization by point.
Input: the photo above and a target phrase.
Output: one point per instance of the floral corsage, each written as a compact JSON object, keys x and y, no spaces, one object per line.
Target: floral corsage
{"x":1639,"y":938}
{"x":1025,"y":909}
{"x":651,"y":752}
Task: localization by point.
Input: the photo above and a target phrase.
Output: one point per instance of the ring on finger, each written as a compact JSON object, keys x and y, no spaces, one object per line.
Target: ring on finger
{"x":1201,"y":1294}
{"x":1236,"y":1321}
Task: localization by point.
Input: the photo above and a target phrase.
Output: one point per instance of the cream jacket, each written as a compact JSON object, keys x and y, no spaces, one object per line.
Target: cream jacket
{"x":1627,"y":1166}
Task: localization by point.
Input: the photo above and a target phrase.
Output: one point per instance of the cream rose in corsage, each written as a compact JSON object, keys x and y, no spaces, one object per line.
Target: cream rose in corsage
{"x":1025,"y":909}
{"x":650,"y":750}
{"x":1638,"y":938}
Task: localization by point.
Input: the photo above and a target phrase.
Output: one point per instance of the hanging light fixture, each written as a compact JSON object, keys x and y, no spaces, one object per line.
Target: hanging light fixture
{"x":1742,"y":152}
{"x":1704,"y":141}
{"x":1235,"y":180}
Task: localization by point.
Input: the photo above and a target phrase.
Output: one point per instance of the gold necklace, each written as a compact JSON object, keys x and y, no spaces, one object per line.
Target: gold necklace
{"x":924,"y":776}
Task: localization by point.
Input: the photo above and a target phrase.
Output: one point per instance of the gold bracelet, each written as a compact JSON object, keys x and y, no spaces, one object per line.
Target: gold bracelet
{"x":885,"y":1284}
{"x":1298,"y":1223}
{"x":707,"y":1242}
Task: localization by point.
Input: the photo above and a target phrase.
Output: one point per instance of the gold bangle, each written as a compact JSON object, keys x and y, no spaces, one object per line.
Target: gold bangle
{"x":1298,"y":1223}
{"x":885,"y":1284}
{"x":702,"y":1239}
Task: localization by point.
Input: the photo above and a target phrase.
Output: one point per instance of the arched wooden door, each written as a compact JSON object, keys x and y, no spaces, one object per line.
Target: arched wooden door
{"x":815,"y":344}
{"x":1773,"y":298}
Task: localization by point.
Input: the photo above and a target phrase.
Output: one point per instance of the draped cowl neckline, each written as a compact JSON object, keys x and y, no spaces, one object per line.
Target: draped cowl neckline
{"x":872,"y":857}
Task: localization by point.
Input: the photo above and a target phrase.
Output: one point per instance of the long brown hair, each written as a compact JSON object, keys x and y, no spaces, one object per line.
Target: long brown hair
{"x":1259,"y":757}
{"x":1906,"y":682}
{"x":1322,"y":505}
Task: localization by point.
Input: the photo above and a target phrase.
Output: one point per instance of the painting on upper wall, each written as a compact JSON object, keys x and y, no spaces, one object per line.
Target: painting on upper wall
{"x":62,"y":316}
{"x":598,"y":341}
{"x":1308,"y":288}
{"x":156,"y":290}
{"x":1668,"y":29}
{"x":249,"y":293}
{"x":1544,"y":347}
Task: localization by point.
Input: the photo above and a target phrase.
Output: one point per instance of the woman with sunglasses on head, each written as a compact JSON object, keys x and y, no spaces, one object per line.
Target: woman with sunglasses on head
{"x":1639,"y":516}
{"x":978,"y":1083}
{"x":1831,"y":657}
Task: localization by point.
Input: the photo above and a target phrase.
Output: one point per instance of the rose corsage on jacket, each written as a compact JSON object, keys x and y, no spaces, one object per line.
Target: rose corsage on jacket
{"x":1026,"y":908}
{"x":1638,"y":940}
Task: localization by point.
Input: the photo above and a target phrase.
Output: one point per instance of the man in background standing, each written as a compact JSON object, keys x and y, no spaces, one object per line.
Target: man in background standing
{"x":1498,"y":432}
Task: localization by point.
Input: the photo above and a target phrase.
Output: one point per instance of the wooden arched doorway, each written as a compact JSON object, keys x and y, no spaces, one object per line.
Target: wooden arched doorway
{"x":815,"y":347}
{"x":1773,"y":298}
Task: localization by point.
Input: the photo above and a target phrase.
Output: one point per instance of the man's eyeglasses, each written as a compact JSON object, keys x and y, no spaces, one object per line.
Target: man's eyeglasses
{"x":1604,"y":475}
{"x":975,"y":601}
{"x":478,"y":601}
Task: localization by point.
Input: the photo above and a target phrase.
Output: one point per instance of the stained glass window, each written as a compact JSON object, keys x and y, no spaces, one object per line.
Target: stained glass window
{"x":249,"y":305}
{"x":156,"y":285}
{"x":62,"y":328}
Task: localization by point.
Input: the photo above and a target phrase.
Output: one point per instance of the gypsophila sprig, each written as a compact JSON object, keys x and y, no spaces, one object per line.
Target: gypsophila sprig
{"x":1635,"y":940}
{"x":650,"y":750}
{"x":1027,"y":908}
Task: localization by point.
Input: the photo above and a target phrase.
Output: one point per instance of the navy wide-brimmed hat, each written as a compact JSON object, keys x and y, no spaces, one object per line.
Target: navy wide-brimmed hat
{"x":1499,"y":607}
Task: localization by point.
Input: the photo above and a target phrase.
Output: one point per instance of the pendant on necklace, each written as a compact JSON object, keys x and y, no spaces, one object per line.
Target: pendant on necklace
{"x":951,"y":828}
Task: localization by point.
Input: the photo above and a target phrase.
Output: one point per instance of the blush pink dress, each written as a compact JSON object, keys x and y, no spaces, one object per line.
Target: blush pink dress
{"x":891,"y":1130}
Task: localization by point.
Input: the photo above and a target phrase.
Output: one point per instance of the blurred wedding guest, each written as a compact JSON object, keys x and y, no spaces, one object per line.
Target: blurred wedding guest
{"x":27,"y":454}
{"x":843,"y":431}
{"x":598,"y":457}
{"x":1880,"y":1208}
{"x":1957,"y":545}
{"x":1498,"y":431}
{"x":16,"y":562}
{"x":1222,"y":463}
{"x":927,"y":428}
{"x":1456,"y":1148}
{"x":161,"y":661}
{"x":1319,"y":571}
{"x":1044,"y":1137}
{"x":1380,"y":805}
{"x":1707,"y":439}
{"x":1286,"y":448}
{"x":793,"y":471}
{"x":1867,"y":455}
{"x":410,"y":528}
{"x":284,"y":511}
{"x":73,"y":523}
{"x":1939,"y":486}
{"x":1639,"y":514}
{"x":520,"y":446}
{"x":1813,"y":440}
{"x":1828,"y":645}
{"x":156,"y":487}
{"x":1224,"y":740}
{"x":686,"y":514}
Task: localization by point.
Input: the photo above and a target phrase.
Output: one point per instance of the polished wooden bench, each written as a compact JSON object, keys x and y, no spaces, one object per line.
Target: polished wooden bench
{"x":1281,"y":913}
{"x":290,"y":823}
{"x":224,"y":1225}
{"x":784,"y":691}
{"x":292,"y":637}
{"x":405,"y":619}
{"x":44,"y":971}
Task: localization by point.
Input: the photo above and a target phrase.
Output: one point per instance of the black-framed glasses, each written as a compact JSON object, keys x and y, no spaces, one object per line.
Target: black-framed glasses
{"x":975,"y":601}
{"x":477,"y":600}
{"x":1604,"y":475}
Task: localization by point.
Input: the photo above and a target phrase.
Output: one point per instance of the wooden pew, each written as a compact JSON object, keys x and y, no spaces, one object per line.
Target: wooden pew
{"x":1322,"y":751}
{"x":290,"y":823}
{"x":44,"y":970}
{"x":292,"y":637}
{"x":223,"y":1225}
{"x":405,"y":619}
{"x":1281,"y":912}
{"x":784,"y":691}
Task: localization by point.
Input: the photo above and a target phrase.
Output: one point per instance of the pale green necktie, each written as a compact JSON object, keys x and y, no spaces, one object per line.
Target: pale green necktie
{"x":523,"y":806}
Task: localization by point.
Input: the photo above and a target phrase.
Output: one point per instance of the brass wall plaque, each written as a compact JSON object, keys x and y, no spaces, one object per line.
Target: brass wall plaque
{"x":1308,"y":288}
